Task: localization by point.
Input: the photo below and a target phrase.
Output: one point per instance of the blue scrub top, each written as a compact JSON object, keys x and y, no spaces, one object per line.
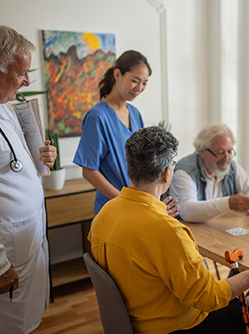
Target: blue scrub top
{"x":102,"y":145}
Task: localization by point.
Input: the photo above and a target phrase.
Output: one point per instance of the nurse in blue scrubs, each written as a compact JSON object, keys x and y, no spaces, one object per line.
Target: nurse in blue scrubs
{"x":108,"y":124}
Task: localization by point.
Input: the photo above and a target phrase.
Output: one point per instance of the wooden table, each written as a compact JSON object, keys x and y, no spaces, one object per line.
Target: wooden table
{"x":213,"y":240}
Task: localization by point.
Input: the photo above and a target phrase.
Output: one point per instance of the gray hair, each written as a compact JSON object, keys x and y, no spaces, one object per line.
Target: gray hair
{"x":11,"y":43}
{"x":207,"y":136}
{"x":149,"y":151}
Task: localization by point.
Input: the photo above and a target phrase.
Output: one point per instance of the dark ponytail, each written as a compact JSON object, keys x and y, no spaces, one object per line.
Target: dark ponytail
{"x":124,"y":63}
{"x":107,"y":82}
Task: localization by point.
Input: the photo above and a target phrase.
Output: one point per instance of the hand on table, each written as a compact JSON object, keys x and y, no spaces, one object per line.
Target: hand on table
{"x":239,"y":203}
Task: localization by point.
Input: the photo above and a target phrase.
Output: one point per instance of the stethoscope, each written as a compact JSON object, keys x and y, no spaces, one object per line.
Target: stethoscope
{"x":15,"y":164}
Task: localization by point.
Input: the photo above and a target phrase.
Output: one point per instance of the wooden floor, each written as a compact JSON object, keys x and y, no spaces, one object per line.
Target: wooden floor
{"x":75,"y":308}
{"x":73,"y":311}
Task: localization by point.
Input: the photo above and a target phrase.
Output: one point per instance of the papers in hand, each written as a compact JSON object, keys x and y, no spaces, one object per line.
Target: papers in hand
{"x":29,"y":117}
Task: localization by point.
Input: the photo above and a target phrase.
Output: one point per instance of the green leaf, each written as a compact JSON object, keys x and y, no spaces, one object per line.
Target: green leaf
{"x":164,"y":125}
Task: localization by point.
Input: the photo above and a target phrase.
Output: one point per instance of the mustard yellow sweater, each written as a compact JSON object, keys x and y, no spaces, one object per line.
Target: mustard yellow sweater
{"x":155,"y":262}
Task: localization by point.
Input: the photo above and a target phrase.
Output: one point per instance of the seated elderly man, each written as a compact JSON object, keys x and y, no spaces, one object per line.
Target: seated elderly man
{"x":209,"y":182}
{"x":154,"y":258}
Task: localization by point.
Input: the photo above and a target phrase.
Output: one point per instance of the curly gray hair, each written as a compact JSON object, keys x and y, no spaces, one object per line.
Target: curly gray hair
{"x":149,"y":151}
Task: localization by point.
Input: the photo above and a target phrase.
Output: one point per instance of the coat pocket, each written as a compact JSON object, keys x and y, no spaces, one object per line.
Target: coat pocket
{"x":22,"y":239}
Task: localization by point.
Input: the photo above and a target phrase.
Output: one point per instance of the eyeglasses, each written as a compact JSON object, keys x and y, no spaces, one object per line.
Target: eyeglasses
{"x":174,"y":164}
{"x":24,"y":75}
{"x":231,"y":153}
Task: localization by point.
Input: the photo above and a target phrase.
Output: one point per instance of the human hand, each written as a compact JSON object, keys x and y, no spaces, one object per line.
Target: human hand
{"x":239,"y":203}
{"x":48,"y":154}
{"x":172,"y":208}
{"x":8,"y":280}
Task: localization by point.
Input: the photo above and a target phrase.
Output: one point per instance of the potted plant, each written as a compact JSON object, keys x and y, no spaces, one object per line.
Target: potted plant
{"x":56,"y":180}
{"x":164,"y":125}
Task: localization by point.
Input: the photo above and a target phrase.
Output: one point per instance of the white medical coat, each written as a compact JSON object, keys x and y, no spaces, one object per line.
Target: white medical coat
{"x":22,"y":232}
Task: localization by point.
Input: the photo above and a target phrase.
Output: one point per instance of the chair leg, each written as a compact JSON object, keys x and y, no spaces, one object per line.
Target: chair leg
{"x":217,"y":271}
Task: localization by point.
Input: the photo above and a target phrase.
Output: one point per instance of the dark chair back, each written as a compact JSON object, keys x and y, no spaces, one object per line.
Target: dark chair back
{"x":113,"y":312}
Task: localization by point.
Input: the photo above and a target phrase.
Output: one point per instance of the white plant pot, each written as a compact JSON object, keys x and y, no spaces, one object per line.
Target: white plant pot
{"x":56,"y":180}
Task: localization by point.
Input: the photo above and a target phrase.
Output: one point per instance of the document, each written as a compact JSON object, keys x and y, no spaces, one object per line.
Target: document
{"x":28,"y":114}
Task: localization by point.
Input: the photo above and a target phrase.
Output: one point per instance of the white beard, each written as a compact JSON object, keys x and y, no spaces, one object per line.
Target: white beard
{"x":217,"y":171}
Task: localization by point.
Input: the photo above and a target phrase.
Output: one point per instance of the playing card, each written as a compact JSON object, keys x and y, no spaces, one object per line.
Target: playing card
{"x":237,"y":231}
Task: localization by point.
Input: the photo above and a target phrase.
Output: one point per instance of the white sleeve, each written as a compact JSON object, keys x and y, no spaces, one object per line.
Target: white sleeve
{"x":4,"y":262}
{"x":184,"y":189}
{"x":242,"y":180}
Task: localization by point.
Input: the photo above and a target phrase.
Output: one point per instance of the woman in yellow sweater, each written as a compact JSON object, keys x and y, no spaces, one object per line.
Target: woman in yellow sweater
{"x":154,"y":258}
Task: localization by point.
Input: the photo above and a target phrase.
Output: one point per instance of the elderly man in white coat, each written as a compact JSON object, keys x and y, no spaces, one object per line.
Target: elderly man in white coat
{"x":23,"y":244}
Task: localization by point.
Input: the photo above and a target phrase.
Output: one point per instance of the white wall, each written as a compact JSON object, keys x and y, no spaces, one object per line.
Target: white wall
{"x":186,"y":70}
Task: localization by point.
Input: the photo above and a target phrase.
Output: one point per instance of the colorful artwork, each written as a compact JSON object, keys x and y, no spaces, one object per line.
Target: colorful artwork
{"x":73,"y":65}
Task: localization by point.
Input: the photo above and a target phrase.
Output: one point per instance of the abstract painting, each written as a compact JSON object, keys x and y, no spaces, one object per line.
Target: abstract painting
{"x":74,"y":63}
